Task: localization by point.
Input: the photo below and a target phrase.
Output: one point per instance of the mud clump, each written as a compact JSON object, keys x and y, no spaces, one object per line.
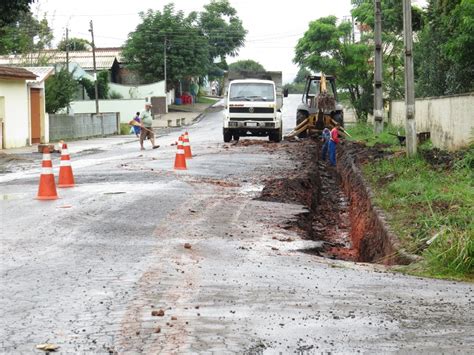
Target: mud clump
{"x":158,"y":313}
{"x":441,"y":159}
{"x":297,"y":190}
{"x":361,"y":153}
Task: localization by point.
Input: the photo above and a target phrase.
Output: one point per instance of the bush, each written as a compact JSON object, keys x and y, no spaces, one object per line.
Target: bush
{"x":114,"y":95}
{"x":59,"y":91}
{"x":124,"y":129}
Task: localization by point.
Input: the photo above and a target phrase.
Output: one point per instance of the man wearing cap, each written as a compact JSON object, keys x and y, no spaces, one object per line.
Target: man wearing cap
{"x":147,"y":131}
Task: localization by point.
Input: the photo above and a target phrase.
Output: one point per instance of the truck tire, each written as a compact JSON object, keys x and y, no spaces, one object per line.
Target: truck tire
{"x":276,"y":136}
{"x":236,"y":137}
{"x":300,"y":117}
{"x":227,"y":136}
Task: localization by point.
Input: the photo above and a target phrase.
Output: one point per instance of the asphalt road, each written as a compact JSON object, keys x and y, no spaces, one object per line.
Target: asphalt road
{"x":86,"y":271}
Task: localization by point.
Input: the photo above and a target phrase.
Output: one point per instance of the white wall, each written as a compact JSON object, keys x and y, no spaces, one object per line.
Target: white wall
{"x":449,"y":119}
{"x":170,"y":97}
{"x":17,"y":112}
{"x":138,"y":92}
{"x":126,"y":108}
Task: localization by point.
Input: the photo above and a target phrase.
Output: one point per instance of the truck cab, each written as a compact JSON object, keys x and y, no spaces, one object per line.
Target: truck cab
{"x":253,"y":108}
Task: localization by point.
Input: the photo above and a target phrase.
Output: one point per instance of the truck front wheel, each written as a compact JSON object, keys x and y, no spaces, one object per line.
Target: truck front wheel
{"x":227,"y":136}
{"x":276,"y":136}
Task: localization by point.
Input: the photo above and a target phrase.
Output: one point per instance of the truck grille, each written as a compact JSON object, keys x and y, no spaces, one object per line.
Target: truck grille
{"x":251,"y":109}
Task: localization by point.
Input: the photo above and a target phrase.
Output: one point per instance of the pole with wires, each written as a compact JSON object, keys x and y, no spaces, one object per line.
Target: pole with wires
{"x":378,"y":91}
{"x":96,"y":88}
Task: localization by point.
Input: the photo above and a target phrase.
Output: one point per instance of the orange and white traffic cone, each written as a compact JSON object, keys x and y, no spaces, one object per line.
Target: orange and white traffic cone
{"x":180,"y":160}
{"x":47,"y":186}
{"x":187,"y":146}
{"x":66,"y":177}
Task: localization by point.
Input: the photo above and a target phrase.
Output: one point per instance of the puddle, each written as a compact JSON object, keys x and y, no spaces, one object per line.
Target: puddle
{"x":251,"y":189}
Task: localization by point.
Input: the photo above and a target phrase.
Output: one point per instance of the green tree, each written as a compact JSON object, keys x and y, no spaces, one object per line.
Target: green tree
{"x":246,"y":65}
{"x":26,"y":35}
{"x":74,"y":44}
{"x":301,"y":76}
{"x":223,"y":29}
{"x":392,"y":39}
{"x":187,"y":49}
{"x":59,"y":91}
{"x":102,"y":85}
{"x":11,"y":10}
{"x":444,"y":55}
{"x":327,"y":47}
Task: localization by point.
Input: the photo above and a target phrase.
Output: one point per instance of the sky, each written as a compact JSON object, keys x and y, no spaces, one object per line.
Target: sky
{"x":274,"y":27}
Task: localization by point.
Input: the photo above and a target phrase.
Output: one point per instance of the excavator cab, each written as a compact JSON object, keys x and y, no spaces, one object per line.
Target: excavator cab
{"x":319,"y":107}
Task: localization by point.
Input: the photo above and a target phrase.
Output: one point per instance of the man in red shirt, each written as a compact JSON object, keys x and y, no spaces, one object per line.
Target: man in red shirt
{"x":333,"y":141}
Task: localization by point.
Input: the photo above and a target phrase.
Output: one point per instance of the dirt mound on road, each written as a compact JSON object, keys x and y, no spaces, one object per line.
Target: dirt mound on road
{"x":298,"y":186}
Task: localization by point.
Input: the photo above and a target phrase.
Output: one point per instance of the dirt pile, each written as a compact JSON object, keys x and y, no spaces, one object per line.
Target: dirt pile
{"x":301,"y":184}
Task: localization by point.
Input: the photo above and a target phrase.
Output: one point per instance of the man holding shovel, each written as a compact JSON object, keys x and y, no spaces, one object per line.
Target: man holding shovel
{"x":146,"y":125}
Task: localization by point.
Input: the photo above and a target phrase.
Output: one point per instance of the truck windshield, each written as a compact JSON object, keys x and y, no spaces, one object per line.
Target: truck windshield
{"x":251,"y":92}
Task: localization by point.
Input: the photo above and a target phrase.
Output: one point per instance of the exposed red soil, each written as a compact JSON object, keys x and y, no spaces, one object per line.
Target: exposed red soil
{"x":341,"y":213}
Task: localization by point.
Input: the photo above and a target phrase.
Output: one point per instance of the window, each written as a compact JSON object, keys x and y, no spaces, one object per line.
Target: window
{"x":251,"y":92}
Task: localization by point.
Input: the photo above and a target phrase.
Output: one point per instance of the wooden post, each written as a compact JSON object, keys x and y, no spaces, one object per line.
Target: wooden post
{"x":410,"y":125}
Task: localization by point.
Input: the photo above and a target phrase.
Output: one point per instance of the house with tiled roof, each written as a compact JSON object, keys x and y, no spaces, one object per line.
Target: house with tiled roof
{"x":14,"y":107}
{"x":109,"y":59}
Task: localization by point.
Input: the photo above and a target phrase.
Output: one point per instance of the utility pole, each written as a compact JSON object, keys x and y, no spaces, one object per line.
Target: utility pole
{"x":164,"y":56}
{"x":410,"y":124}
{"x":67,"y":59}
{"x":91,"y":30}
{"x":67,"y":49}
{"x":378,"y":92}
{"x":353,"y":30}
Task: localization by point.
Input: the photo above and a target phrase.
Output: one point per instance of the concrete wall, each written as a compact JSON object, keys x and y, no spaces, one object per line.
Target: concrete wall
{"x":82,"y":126}
{"x":139,"y":91}
{"x":16,"y":109}
{"x":449,"y":119}
{"x":126,"y":108}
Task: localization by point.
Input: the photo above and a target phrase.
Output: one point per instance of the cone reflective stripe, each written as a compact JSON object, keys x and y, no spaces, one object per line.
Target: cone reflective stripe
{"x":66,"y":177}
{"x":180,"y":160}
{"x":187,"y":146}
{"x":47,"y":186}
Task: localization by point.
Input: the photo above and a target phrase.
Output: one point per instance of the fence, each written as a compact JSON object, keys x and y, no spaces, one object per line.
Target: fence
{"x":449,"y":119}
{"x":83,"y":125}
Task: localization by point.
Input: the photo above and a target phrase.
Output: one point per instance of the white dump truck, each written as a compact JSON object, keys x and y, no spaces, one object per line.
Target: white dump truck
{"x":253,"y":103}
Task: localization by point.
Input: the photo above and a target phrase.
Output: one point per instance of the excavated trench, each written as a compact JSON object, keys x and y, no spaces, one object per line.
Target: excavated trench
{"x":340,"y":210}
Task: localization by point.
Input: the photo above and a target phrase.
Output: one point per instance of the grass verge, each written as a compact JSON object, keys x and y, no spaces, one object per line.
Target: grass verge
{"x":205,"y":100}
{"x":430,"y":203}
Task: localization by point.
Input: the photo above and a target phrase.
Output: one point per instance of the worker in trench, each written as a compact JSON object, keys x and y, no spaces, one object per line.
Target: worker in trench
{"x":333,"y":142}
{"x":325,"y":137}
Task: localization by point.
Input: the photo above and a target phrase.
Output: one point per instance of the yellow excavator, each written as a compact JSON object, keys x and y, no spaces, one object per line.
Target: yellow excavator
{"x":319,"y":108}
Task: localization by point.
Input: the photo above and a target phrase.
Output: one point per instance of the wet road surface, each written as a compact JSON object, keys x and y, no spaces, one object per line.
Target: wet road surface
{"x":87,"y":271}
